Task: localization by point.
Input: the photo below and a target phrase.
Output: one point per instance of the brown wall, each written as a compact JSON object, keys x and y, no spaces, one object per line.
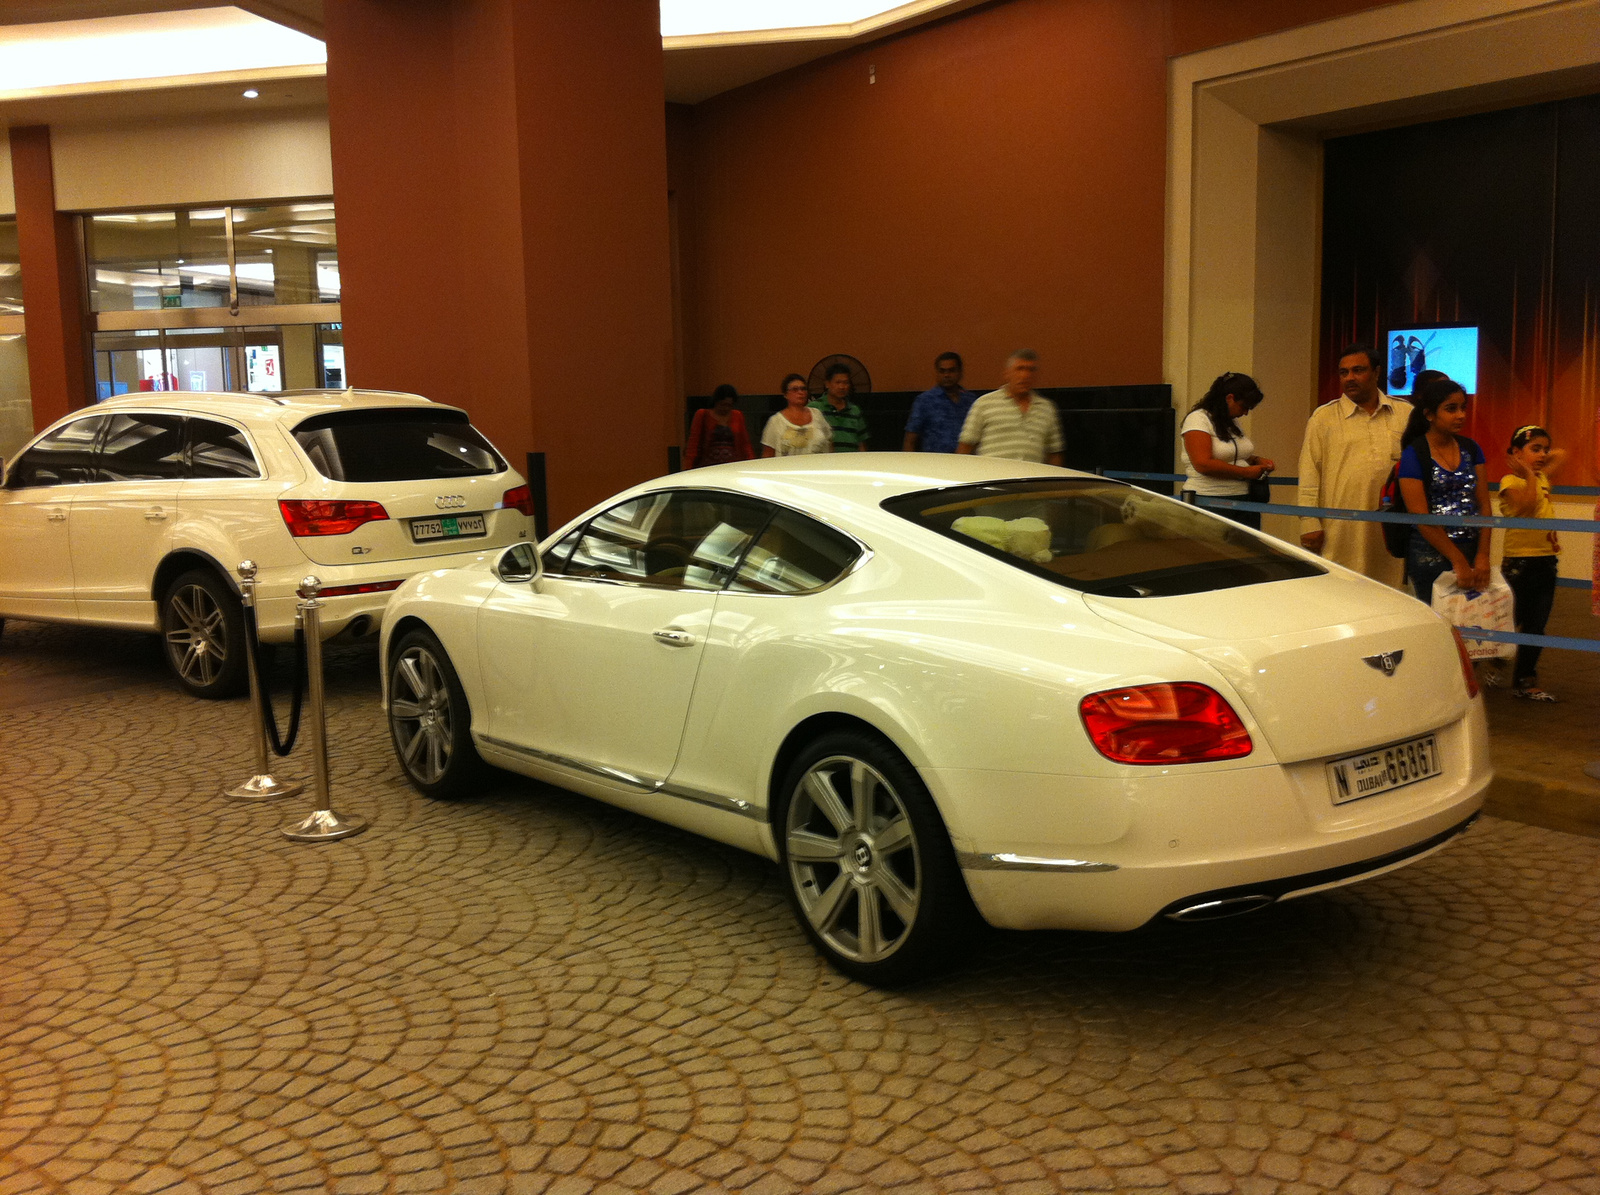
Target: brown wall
{"x":500,"y":173}
{"x":1001,"y":184}
{"x":1201,"y":24}
{"x":965,"y":200}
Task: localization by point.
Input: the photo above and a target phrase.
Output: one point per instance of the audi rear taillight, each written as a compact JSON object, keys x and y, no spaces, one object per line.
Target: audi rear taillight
{"x":519,"y":499}
{"x":1162,"y":724}
{"x":319,"y":517}
{"x":1468,"y":672}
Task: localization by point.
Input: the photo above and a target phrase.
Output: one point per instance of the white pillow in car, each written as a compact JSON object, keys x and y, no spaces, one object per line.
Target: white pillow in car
{"x":983,"y":529}
{"x":1030,"y":539}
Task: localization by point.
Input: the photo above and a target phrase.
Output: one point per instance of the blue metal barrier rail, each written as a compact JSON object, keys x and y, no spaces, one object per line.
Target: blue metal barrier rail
{"x":1581,"y":526}
{"x":1557,"y":641}
{"x":1589,"y":491}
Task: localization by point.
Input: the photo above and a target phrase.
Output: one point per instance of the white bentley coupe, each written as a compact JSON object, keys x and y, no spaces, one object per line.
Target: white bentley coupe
{"x":931,"y":684}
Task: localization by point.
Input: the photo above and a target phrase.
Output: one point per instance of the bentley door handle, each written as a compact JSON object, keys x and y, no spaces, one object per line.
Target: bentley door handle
{"x":155,"y":514}
{"x":673,"y":637}
{"x":57,"y":516}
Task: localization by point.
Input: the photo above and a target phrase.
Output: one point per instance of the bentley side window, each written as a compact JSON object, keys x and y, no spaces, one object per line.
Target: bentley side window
{"x":64,"y":457}
{"x":556,"y":556}
{"x":612,"y":545}
{"x":219,"y":450}
{"x":674,"y":539}
{"x":142,"y":448}
{"x":713,"y":530}
{"x":795,"y":554}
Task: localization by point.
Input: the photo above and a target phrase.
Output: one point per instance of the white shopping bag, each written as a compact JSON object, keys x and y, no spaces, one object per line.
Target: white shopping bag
{"x":1492,"y":608}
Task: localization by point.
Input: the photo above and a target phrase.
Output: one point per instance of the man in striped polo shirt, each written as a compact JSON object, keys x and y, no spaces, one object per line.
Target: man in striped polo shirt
{"x":844,"y":417}
{"x":1013,"y":421}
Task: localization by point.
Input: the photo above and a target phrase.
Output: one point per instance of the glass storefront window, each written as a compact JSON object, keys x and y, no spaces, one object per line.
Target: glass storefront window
{"x":330,"y":344}
{"x":10,"y":268}
{"x":283,"y":256}
{"x":287,"y":253}
{"x":150,"y":260}
{"x":16,"y":396}
{"x":263,"y":359}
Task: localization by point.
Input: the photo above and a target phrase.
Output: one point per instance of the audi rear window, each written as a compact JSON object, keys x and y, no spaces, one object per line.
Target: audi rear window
{"x":1101,"y":537}
{"x":401,"y":444}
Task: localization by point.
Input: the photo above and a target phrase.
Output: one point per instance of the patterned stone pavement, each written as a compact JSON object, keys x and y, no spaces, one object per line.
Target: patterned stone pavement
{"x":532,"y":992}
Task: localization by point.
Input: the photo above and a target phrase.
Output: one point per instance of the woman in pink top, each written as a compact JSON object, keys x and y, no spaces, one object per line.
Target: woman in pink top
{"x":717,"y":434}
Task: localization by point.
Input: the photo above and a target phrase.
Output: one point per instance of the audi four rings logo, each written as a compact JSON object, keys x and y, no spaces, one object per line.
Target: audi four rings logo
{"x":1385,"y":661}
{"x":450,"y":501}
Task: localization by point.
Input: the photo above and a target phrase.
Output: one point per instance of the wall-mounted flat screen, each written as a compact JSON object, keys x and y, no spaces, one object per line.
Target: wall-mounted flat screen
{"x":1450,"y":348}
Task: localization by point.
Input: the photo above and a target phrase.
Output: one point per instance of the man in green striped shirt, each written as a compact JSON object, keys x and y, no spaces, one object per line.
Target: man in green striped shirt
{"x":844,"y":417}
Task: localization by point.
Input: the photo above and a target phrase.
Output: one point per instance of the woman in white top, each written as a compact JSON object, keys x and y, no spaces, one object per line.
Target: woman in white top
{"x":1218,"y":457}
{"x":796,"y":429}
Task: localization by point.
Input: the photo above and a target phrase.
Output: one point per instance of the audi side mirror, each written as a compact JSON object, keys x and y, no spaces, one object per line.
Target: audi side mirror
{"x":520,"y":563}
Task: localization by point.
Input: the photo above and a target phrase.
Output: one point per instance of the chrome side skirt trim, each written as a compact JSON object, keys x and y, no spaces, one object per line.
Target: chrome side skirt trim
{"x":618,"y":776}
{"x":1005,"y":861}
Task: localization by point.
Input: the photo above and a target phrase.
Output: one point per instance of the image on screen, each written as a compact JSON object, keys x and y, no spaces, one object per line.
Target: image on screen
{"x":1453,"y":351}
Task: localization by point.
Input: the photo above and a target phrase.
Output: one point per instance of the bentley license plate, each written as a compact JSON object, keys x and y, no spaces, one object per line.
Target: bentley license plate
{"x":1383,"y":769}
{"x":447,"y":527}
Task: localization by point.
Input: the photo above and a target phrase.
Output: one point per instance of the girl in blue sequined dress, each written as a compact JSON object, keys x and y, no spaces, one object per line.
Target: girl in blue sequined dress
{"x":1442,"y":472}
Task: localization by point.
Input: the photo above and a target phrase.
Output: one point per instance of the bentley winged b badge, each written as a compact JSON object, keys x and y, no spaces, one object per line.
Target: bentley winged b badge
{"x":1385,"y":661}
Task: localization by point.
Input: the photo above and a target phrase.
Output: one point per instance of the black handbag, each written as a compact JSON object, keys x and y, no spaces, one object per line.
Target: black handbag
{"x":1260,"y":491}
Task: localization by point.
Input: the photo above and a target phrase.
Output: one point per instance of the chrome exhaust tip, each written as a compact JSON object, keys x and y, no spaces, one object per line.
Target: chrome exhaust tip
{"x":1212,"y":910}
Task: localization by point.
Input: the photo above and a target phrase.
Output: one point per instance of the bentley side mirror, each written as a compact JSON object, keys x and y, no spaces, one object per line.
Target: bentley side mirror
{"x":520,"y":563}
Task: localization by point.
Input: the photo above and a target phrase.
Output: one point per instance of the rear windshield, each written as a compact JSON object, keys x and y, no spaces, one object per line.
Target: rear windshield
{"x":405,"y":444}
{"x":1101,"y":537}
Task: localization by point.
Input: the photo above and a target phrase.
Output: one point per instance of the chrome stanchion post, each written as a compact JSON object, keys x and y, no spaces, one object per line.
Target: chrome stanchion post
{"x":322,"y":825}
{"x":263,"y":785}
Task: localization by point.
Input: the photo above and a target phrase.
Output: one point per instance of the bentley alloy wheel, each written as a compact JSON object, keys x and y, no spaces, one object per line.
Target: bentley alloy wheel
{"x":870,"y":870}
{"x":428,"y":718}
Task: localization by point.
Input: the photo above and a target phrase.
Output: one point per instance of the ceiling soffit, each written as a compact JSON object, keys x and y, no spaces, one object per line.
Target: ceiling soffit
{"x":696,"y":67}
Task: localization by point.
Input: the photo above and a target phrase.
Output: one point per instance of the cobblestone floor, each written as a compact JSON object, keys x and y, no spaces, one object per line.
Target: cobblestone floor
{"x":534,"y":992}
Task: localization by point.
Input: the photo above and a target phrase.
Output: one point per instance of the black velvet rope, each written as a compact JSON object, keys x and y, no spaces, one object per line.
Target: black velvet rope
{"x":281,"y":745}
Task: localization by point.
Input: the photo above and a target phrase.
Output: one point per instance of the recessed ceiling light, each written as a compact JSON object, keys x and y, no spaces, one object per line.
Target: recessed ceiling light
{"x":250,"y":93}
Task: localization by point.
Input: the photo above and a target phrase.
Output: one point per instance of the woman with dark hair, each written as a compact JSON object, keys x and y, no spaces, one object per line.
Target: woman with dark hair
{"x":1426,"y":376}
{"x":717,"y":434}
{"x":1442,"y":473}
{"x":797,"y":429}
{"x":1218,"y":457}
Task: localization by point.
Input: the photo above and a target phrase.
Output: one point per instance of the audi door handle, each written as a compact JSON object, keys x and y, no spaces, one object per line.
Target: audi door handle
{"x":155,"y":514}
{"x":673,"y":637}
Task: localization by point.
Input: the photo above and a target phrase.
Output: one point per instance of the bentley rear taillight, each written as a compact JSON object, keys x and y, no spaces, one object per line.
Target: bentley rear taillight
{"x":1164,"y":724}
{"x":319,"y":517}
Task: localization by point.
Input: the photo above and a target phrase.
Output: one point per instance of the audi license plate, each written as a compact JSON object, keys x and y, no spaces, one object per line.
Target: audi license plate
{"x":1383,"y":769}
{"x":447,"y":527}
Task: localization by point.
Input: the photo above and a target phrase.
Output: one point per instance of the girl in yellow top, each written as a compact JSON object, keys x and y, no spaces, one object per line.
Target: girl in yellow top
{"x":1529,"y":565}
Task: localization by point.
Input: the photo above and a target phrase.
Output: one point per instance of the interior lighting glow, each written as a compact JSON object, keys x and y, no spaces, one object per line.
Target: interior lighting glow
{"x":697,"y":18}
{"x":160,"y":45}
{"x":250,"y":93}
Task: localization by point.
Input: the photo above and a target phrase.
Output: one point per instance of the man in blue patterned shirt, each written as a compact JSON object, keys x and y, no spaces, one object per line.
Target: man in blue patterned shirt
{"x":938,"y":412}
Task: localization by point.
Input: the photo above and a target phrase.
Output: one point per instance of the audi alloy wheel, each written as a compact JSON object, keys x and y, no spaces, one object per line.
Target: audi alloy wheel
{"x":202,"y":625}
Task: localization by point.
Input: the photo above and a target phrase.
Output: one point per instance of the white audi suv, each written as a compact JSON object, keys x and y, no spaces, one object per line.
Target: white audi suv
{"x":136,"y":512}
